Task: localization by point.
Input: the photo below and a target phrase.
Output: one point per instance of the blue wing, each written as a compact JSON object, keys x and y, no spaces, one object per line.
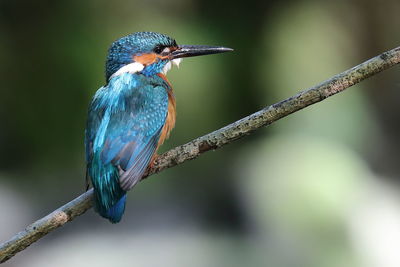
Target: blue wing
{"x":125,"y":121}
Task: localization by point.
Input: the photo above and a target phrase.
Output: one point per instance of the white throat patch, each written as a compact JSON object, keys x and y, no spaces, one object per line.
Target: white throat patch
{"x":137,"y":67}
{"x":168,"y":66}
{"x":131,"y":68}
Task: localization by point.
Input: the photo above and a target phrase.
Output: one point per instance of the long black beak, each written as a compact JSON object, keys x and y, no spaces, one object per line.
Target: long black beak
{"x":197,"y":50}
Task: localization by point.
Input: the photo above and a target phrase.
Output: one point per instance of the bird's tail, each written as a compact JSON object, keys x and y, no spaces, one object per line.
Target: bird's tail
{"x":114,"y":214}
{"x":109,"y":198}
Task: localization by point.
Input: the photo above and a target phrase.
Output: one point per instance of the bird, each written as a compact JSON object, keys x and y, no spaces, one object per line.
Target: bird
{"x":132,"y":115}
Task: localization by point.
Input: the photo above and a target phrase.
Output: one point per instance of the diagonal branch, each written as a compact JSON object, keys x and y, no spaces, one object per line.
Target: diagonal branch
{"x":208,"y":142}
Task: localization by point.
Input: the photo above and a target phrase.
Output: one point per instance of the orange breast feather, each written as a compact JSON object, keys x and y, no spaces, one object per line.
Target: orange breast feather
{"x":171,"y":116}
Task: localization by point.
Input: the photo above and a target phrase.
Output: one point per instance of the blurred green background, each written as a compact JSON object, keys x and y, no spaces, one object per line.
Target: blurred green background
{"x":319,"y":188}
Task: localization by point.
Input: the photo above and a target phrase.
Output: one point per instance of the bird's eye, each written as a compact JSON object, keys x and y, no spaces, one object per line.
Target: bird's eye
{"x":158,"y":49}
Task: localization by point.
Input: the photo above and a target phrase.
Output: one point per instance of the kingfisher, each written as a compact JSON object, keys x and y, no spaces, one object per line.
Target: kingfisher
{"x":132,"y":115}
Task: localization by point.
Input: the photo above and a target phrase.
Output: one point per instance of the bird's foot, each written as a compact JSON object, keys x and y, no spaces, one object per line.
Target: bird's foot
{"x":151,"y":164}
{"x":152,"y":161}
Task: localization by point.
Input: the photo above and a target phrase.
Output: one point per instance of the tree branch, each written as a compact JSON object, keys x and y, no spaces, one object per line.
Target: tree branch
{"x":208,"y":142}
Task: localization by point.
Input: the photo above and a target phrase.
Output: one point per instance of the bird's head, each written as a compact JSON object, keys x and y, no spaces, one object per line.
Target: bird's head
{"x":150,"y":53}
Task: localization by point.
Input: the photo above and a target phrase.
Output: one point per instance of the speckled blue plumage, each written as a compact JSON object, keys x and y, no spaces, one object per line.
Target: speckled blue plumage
{"x":124,"y":124}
